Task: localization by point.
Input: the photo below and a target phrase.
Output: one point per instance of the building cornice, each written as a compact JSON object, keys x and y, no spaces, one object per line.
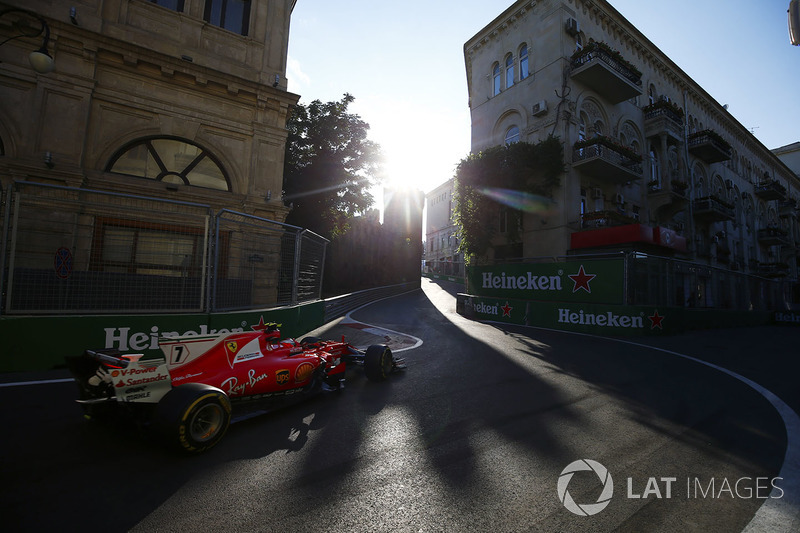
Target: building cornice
{"x":635,"y":42}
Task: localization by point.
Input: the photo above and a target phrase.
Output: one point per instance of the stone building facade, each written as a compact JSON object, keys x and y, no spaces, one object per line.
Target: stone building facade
{"x":652,"y":162}
{"x":144,"y":172}
{"x":441,"y":233}
{"x":177,"y":99}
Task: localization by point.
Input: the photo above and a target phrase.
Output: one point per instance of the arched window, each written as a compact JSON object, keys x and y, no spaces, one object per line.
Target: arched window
{"x":509,"y":70}
{"x":578,"y":43}
{"x":496,"y":79}
{"x":523,"y":62}
{"x":170,"y":160}
{"x":582,"y":126}
{"x":651,"y":94}
{"x":512,"y":135}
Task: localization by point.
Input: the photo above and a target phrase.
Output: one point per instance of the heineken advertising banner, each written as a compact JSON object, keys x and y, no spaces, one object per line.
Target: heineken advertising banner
{"x":590,"y":281}
{"x":41,"y":343}
{"x":598,"y":319}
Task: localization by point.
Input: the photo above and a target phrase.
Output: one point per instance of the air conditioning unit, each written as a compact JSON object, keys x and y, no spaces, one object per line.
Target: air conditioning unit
{"x":539,"y":108}
{"x":597,"y":193}
{"x":572,"y":27}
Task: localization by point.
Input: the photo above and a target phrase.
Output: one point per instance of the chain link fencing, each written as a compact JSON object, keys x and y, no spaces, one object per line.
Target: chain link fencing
{"x":69,"y":250}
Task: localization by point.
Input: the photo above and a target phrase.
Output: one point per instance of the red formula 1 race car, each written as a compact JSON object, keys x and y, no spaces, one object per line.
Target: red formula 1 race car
{"x":188,"y":396}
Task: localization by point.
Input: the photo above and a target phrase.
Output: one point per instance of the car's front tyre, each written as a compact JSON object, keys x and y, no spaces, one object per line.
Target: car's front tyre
{"x":378,"y":362}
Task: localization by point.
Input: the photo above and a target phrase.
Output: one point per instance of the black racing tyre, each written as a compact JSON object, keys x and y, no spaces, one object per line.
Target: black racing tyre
{"x":193,"y":417}
{"x":378,"y":362}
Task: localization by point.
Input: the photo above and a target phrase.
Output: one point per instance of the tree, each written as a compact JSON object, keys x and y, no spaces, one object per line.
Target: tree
{"x":330,"y":166}
{"x":519,"y":177}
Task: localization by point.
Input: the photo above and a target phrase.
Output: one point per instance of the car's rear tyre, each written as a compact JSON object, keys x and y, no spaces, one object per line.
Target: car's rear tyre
{"x":193,"y":417}
{"x":378,"y":362}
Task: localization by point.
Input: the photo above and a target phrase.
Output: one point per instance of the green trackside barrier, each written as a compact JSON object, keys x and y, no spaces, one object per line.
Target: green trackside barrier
{"x":583,"y":280}
{"x":605,"y":319}
{"x":41,"y":343}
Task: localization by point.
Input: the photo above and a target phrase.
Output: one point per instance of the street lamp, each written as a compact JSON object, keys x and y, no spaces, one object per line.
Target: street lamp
{"x":794,"y":22}
{"x":41,"y":61}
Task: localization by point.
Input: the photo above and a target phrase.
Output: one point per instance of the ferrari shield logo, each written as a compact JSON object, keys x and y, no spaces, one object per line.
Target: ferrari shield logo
{"x":232,"y":346}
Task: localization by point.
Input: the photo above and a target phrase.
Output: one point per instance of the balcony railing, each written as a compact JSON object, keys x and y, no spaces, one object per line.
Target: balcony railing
{"x":601,"y":219}
{"x":787,"y":208}
{"x":709,"y":146}
{"x":602,"y":159}
{"x":770,"y":190}
{"x":603,"y":69}
{"x":773,"y":236}
{"x":663,"y":117}
{"x":713,"y":209}
{"x":772,"y":270}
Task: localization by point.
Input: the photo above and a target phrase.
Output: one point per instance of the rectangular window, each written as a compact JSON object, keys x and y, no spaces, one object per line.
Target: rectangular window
{"x":128,"y":247}
{"x":503,"y":220}
{"x":233,"y":15}
{"x":175,"y":5}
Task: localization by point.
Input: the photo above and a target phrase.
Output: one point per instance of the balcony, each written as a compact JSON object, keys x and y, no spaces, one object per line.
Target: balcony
{"x":770,"y":190}
{"x":603,"y":159}
{"x":663,"y":118}
{"x":772,"y":270}
{"x":709,"y":146}
{"x":604,"y":70}
{"x":599,"y":219}
{"x":773,"y":237}
{"x":712,"y":209}
{"x":787,"y":208}
{"x":669,"y":199}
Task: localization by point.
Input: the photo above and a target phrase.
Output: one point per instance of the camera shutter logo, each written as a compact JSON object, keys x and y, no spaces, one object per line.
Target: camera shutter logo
{"x":585,"y":509}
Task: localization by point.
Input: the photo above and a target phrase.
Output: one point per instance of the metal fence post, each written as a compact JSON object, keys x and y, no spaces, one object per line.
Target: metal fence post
{"x":296,"y":276}
{"x":322,"y":268}
{"x":5,"y":207}
{"x":213,"y":262}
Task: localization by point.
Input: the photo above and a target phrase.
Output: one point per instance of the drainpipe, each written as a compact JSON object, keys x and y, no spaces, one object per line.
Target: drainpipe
{"x":689,"y":179}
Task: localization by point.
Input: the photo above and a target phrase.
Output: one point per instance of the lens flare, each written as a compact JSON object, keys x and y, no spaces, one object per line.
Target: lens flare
{"x":521,"y":201}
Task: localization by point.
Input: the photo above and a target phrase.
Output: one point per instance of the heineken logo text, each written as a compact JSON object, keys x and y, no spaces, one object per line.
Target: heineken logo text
{"x":607,"y":319}
{"x":524,"y":282}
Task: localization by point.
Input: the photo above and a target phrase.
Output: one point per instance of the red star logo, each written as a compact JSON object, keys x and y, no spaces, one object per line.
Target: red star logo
{"x":507,"y":310}
{"x":260,"y":326}
{"x":656,"y":320}
{"x":581,"y":280}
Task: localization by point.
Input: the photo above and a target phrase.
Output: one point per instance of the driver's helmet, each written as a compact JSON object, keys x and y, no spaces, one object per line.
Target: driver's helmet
{"x":272,"y":331}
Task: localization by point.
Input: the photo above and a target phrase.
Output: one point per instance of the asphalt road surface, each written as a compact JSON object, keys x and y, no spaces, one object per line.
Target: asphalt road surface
{"x":491,"y":428}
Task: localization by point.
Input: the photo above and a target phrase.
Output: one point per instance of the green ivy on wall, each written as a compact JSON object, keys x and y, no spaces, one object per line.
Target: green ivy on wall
{"x":519,"y":177}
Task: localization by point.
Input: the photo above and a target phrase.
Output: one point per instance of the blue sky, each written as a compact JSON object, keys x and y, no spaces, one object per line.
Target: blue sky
{"x":404,"y":64}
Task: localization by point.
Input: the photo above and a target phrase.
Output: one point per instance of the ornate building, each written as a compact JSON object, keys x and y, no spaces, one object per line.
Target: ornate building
{"x":178,"y":99}
{"x":141,"y":164}
{"x":652,"y":162}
